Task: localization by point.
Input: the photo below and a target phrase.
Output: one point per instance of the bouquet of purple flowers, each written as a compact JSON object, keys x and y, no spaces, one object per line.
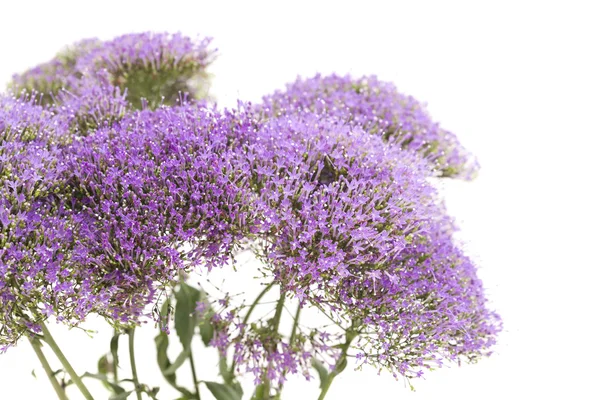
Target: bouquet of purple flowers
{"x":120,"y":181}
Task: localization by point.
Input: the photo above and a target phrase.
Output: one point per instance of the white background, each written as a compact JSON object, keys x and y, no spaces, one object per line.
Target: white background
{"x":518,"y":82}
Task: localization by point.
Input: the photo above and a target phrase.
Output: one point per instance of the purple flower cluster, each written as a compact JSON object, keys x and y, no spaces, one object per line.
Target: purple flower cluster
{"x":380,"y":109}
{"x":49,"y":78}
{"x":349,"y":224}
{"x":328,"y":183}
{"x":98,"y":223}
{"x":151,"y":68}
{"x":259,"y":350}
{"x":92,"y":107}
{"x":31,"y":234}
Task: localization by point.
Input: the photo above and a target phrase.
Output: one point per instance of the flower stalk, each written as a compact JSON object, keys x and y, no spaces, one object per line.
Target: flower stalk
{"x":37,"y":348}
{"x":136,"y":382}
{"x":47,"y":337}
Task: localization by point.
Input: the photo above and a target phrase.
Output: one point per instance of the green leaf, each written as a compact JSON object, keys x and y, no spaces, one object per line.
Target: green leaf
{"x":104,"y":379}
{"x":114,"y":350}
{"x":223,"y":392}
{"x":185,"y":315}
{"x":33,"y":373}
{"x":259,"y":392}
{"x":121,"y":396}
{"x":207,"y":331}
{"x":224,"y":370}
{"x":341,"y":365}
{"x":322,"y":371}
{"x":162,"y":359}
{"x":103,"y":365}
{"x":181,"y":358}
{"x":238,"y":388}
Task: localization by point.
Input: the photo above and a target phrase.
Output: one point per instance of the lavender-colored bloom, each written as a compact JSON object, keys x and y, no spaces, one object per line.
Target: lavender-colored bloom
{"x":379,"y":109}
{"x":90,"y":106}
{"x":59,"y":73}
{"x":334,"y":200}
{"x":154,"y":66}
{"x":351,"y":226}
{"x":157,"y":193}
{"x":31,"y":234}
{"x":425,"y":307}
{"x":97,"y":224}
{"x":157,"y":67}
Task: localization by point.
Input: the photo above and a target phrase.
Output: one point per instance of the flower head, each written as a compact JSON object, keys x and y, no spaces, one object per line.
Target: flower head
{"x":152,"y":66}
{"x":59,"y":73}
{"x":380,"y":109}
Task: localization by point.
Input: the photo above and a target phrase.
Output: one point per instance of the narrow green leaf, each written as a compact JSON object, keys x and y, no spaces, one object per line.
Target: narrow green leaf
{"x":259,"y":392}
{"x":223,"y":392}
{"x":224,"y":370}
{"x":114,"y":350}
{"x":33,"y":373}
{"x":207,"y":331}
{"x":104,"y":379}
{"x":238,"y":388}
{"x":322,"y":371}
{"x":103,"y":365}
{"x":162,"y":359}
{"x":341,"y":365}
{"x":185,"y":316}
{"x":121,"y":396}
{"x":181,"y":358}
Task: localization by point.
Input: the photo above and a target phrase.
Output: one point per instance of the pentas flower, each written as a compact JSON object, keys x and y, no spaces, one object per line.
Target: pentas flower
{"x":59,"y":73}
{"x":154,"y":66}
{"x":380,"y":109}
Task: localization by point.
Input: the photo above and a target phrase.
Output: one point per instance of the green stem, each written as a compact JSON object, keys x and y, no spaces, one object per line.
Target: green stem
{"x":295,"y":326}
{"x":37,"y":347}
{"x":292,"y":337}
{"x":194,"y":376}
{"x":247,"y":317}
{"x":136,"y":382}
{"x":341,"y":363}
{"x":115,"y":356}
{"x":65,"y":363}
{"x":276,"y":321}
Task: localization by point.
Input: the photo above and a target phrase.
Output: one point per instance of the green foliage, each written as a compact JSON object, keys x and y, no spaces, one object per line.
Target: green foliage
{"x":225,"y":392}
{"x":186,"y":319}
{"x":166,"y":367}
{"x":322,"y":371}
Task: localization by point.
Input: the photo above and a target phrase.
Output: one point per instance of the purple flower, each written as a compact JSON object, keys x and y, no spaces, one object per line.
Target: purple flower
{"x":350,"y":225}
{"x":377,"y":107}
{"x":155,"y":194}
{"x":152,"y":66}
{"x":59,"y":73}
{"x":97,"y":224}
{"x":31,"y":234}
{"x":90,"y":106}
